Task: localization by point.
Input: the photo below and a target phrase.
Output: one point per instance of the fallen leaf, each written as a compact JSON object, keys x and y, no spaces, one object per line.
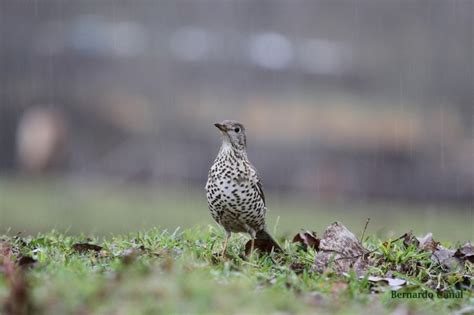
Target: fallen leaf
{"x":410,"y":239}
{"x":392,"y":282}
{"x":440,"y":255}
{"x":340,"y":251}
{"x":466,"y":283}
{"x":307,"y":239}
{"x":445,"y":257}
{"x":466,"y":252}
{"x":85,"y":247}
{"x":427,"y":242}
{"x":264,"y":246}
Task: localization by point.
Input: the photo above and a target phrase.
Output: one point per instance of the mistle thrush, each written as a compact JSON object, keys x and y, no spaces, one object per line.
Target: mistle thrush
{"x":234,"y":190}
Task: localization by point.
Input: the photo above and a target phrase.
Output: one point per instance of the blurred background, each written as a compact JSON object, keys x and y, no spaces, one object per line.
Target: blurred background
{"x":354,"y":109}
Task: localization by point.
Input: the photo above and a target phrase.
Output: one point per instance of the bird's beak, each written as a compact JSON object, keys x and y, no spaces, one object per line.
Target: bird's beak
{"x":221,"y":127}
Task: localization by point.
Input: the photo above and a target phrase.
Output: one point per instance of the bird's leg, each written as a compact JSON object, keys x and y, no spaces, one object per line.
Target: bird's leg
{"x":226,"y":240}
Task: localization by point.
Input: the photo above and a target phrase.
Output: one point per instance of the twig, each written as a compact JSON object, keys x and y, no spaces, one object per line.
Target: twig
{"x":365,"y":229}
{"x":401,"y":237}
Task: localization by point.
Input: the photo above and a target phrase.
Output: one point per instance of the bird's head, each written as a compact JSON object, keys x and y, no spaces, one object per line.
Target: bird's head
{"x":233,"y":133}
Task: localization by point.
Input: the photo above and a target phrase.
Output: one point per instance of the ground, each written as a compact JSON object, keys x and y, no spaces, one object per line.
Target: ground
{"x":159,"y":272}
{"x":175,"y":270}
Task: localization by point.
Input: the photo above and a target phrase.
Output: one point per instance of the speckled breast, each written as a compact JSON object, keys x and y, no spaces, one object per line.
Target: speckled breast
{"x":233,"y":201}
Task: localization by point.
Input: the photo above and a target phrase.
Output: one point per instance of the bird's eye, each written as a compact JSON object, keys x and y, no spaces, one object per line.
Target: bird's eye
{"x":237,"y":129}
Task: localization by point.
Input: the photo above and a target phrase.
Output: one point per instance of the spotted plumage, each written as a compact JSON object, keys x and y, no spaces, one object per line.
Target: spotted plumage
{"x":234,"y":190}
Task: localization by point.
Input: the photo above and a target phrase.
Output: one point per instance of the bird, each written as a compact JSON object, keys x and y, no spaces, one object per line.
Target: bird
{"x":234,"y":190}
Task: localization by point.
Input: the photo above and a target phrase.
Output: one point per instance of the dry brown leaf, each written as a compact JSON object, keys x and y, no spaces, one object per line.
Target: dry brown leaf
{"x":264,"y":246}
{"x":410,"y":239}
{"x":428,"y":243}
{"x":466,"y":252}
{"x":307,"y":239}
{"x":445,"y":257}
{"x":340,"y":251}
{"x":440,"y":255}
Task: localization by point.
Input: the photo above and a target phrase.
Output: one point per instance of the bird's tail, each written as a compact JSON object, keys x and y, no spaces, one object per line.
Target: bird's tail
{"x":264,"y":235}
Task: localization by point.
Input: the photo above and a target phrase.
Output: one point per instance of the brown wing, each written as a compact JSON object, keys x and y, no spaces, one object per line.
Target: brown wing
{"x":256,"y":182}
{"x":259,"y":188}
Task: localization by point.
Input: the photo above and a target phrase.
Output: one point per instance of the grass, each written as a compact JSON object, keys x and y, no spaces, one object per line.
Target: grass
{"x":160,"y":272}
